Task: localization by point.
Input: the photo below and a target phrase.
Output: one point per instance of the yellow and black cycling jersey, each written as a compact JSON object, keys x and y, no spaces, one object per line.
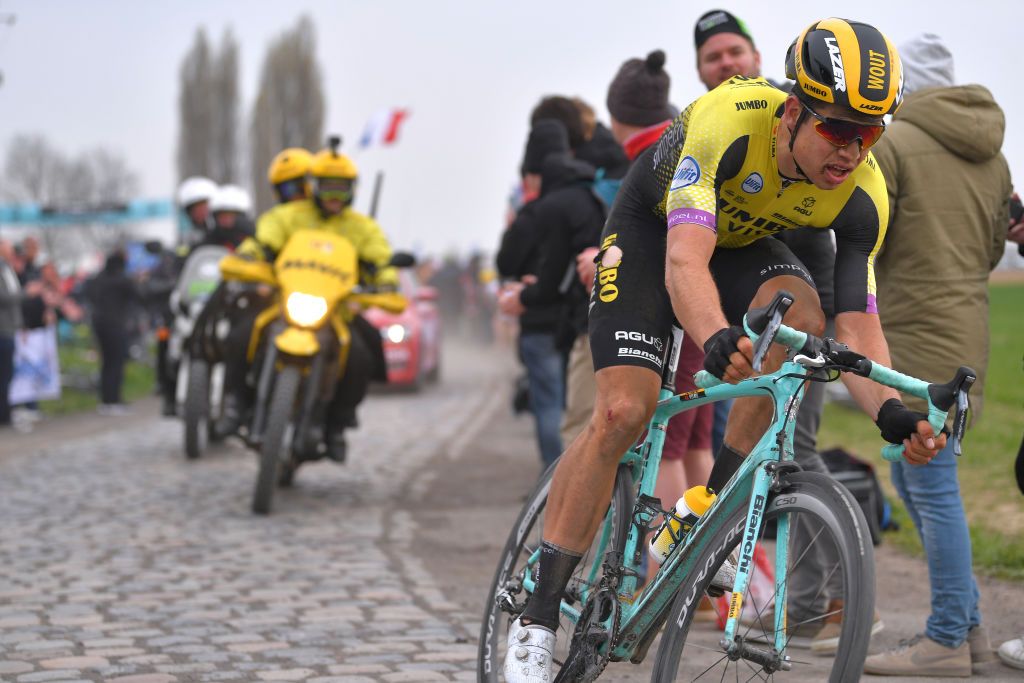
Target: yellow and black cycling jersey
{"x":716,"y":166}
{"x":276,"y":226}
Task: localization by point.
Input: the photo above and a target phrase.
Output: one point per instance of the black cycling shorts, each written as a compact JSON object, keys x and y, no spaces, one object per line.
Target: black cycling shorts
{"x":630,"y":311}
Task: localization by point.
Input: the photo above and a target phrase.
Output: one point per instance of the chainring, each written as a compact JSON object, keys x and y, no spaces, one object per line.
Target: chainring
{"x":592,"y":641}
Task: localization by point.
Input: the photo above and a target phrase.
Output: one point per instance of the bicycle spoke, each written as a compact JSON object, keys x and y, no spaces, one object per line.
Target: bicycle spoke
{"x":713,"y":666}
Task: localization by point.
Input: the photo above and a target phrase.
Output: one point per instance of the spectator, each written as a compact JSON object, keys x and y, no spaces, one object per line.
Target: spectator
{"x":948,"y":188}
{"x":520,"y":257}
{"x":113,"y":298}
{"x":11,"y":297}
{"x":33,"y":309}
{"x":28,"y":268}
{"x":600,"y":148}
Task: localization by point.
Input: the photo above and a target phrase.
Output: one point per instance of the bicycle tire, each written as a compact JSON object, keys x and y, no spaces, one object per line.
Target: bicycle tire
{"x":282,"y":406}
{"x":195,"y":416}
{"x":835,"y":509}
{"x":525,"y":535}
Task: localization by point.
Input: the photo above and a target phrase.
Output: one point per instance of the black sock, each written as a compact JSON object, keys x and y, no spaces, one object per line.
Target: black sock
{"x":726,"y":463}
{"x":553,"y":573}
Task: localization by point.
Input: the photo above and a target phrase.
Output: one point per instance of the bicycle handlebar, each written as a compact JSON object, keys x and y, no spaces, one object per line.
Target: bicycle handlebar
{"x":764,"y":326}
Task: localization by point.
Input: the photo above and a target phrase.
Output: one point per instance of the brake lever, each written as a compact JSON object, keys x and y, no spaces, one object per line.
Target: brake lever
{"x":960,"y":420}
{"x":764,"y":341}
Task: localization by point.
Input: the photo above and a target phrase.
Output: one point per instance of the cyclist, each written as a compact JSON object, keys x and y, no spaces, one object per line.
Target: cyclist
{"x":684,"y":238}
{"x":289,"y":174}
{"x":334,"y":177}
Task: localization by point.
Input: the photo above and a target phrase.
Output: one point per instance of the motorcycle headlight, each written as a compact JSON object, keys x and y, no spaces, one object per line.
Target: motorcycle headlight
{"x":395,"y":334}
{"x":305,"y":310}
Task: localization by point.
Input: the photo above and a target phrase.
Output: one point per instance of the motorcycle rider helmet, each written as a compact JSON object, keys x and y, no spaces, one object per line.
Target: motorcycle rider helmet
{"x":193,"y":198}
{"x":289,"y":174}
{"x":847,"y":63}
{"x":194,"y":190}
{"x":229,"y":199}
{"x":334,"y":175}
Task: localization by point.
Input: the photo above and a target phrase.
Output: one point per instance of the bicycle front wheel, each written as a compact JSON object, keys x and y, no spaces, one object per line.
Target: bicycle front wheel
{"x":518,"y":561}
{"x":830,"y":588}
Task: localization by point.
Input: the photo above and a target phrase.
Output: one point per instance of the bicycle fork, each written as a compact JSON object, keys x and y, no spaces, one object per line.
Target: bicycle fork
{"x":736,"y":647}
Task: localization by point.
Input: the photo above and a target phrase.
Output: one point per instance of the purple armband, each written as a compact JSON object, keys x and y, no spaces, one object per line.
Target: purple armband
{"x":695,"y":216}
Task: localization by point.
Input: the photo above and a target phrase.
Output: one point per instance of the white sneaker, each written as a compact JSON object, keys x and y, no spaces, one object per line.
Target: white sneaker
{"x":1012,"y":653}
{"x":528,"y":658}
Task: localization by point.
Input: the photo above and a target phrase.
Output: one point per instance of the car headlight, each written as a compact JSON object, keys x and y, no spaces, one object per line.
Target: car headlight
{"x":306,"y":310}
{"x":395,"y":334}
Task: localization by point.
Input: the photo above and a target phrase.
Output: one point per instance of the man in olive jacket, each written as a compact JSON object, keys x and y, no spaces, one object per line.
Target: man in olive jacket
{"x":949,"y":187}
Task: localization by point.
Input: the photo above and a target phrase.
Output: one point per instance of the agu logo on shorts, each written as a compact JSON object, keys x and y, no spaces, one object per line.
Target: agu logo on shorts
{"x":687,"y":173}
{"x":753,"y":183}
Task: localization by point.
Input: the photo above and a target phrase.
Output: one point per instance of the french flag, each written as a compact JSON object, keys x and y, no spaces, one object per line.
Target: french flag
{"x":382,"y":128}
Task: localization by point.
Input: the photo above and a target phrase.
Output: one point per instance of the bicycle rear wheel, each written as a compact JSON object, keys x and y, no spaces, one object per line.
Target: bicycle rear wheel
{"x":843,"y":601}
{"x":507,"y":595}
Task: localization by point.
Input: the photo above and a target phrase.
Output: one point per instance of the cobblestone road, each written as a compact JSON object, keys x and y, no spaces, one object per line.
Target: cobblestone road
{"x":121,"y":561}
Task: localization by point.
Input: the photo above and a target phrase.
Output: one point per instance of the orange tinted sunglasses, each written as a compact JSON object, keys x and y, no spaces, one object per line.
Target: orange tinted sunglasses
{"x":841,"y":133}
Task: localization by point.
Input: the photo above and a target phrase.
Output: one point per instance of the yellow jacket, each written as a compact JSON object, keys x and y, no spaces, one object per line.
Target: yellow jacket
{"x":276,"y":226}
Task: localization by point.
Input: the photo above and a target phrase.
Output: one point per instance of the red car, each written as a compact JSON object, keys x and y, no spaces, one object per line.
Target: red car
{"x":412,"y":339}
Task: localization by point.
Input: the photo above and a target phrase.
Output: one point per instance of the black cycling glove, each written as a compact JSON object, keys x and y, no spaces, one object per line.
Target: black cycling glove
{"x":719,"y":347}
{"x":897,"y":422}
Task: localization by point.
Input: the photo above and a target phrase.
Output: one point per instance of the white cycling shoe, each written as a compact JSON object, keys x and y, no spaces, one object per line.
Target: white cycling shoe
{"x":528,"y":658}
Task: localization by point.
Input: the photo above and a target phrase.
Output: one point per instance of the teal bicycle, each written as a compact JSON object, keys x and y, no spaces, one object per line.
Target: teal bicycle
{"x":607,"y":615}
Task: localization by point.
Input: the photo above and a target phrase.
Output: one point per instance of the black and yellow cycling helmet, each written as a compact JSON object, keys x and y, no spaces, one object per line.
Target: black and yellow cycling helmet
{"x":847,"y":63}
{"x":289,"y":172}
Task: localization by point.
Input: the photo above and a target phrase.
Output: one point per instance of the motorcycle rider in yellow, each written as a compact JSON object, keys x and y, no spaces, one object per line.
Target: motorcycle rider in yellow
{"x":333,"y":181}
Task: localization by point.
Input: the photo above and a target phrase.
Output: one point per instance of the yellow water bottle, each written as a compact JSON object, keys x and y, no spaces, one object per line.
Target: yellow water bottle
{"x":689,"y":508}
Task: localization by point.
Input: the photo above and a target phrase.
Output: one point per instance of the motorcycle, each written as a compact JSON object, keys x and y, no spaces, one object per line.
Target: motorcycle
{"x":299,"y":347}
{"x":193,"y":347}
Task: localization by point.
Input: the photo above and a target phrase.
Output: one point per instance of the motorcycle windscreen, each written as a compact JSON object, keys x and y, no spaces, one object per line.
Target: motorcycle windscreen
{"x":317,"y":263}
{"x":201,"y":273}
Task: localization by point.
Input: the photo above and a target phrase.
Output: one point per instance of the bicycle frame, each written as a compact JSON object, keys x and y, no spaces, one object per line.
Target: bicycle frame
{"x":751,"y":483}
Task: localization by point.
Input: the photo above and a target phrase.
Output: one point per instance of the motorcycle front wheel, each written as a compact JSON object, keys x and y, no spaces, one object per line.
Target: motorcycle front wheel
{"x":272,"y":450}
{"x":197,"y":407}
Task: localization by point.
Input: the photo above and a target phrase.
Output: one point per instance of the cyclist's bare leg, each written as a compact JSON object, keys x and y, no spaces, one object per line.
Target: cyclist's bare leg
{"x":750,"y":417}
{"x":582,"y":483}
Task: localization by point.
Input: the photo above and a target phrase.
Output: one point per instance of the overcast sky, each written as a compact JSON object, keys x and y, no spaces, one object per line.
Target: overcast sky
{"x":105,"y":73}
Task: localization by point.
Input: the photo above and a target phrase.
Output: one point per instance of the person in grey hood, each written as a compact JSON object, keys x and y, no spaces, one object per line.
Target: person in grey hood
{"x":949,"y":188}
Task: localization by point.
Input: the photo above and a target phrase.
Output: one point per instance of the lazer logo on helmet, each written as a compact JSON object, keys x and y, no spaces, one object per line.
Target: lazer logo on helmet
{"x":837,"y":64}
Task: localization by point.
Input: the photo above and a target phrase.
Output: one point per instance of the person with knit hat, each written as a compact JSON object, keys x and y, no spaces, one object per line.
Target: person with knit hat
{"x":948,"y":186}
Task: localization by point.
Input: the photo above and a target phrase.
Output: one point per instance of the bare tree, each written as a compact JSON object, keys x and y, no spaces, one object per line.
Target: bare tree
{"x":289,"y":108}
{"x":195,"y":118}
{"x":35,"y":171}
{"x":223,"y":150}
{"x":30,"y":169}
{"x":208,"y":110}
